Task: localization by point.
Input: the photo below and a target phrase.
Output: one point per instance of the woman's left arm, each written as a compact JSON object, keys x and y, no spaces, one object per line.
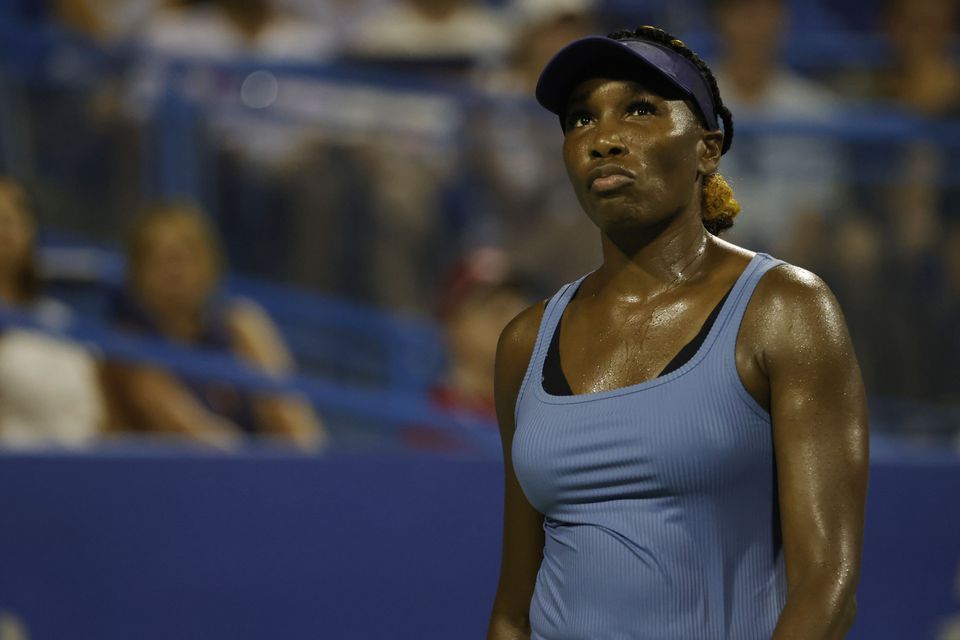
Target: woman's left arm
{"x":257,"y":340}
{"x":818,"y":409}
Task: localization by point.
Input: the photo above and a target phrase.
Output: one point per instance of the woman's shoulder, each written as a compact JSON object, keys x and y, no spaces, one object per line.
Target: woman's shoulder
{"x":514,"y":350}
{"x":782,"y":284}
{"x":792,"y":308}
{"x":254,"y":336}
{"x":788,"y":300}
{"x":520,"y":334}
{"x":787,"y":286}
{"x":517,"y":341}
{"x":244,"y":318}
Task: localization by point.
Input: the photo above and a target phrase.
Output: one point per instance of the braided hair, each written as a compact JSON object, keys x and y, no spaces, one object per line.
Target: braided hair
{"x":718,"y":206}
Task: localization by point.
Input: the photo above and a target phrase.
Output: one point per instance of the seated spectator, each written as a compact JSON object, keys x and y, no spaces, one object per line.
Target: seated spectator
{"x":787,"y":182}
{"x":922,"y":76}
{"x":237,"y":62}
{"x":174,"y":272}
{"x":49,"y":388}
{"x":913,"y":195}
{"x":476,"y":304}
{"x":859,"y":272}
{"x":947,"y":317}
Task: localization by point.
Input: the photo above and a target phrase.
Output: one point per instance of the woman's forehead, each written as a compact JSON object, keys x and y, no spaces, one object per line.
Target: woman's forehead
{"x":595,"y":85}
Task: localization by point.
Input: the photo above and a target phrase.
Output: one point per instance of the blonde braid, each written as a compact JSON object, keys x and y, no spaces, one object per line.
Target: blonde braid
{"x":718,"y":207}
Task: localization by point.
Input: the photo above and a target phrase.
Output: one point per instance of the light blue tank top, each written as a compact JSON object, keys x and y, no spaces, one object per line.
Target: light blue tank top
{"x":659,"y":499}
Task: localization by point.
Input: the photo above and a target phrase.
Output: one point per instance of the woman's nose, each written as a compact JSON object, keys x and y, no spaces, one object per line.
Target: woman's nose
{"x":607,"y":143}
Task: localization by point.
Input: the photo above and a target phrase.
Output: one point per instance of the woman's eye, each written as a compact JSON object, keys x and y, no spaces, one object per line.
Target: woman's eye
{"x":641,"y":108}
{"x":578,"y":119}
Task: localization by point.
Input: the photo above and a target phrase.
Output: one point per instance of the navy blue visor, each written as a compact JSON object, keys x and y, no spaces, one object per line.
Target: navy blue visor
{"x":595,"y":56}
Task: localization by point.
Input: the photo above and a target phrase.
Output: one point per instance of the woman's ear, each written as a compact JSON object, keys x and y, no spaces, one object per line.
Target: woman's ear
{"x":708,"y":152}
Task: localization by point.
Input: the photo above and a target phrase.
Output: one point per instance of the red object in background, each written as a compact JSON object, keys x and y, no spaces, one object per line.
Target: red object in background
{"x":450,"y":400}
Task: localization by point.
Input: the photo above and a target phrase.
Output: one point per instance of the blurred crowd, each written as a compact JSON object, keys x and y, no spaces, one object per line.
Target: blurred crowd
{"x":53,"y":390}
{"x":389,"y":152}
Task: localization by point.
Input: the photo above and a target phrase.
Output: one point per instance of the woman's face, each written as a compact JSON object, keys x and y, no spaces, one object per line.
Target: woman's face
{"x":16,"y":234}
{"x":474,"y":327}
{"x":176,"y":270}
{"x":634,"y":155}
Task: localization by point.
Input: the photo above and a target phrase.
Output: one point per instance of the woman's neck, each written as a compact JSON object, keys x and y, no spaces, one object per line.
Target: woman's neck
{"x":646,"y":263}
{"x":181,"y":326}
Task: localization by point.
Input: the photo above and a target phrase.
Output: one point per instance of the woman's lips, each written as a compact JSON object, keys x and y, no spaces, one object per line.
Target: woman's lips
{"x":610,"y":183}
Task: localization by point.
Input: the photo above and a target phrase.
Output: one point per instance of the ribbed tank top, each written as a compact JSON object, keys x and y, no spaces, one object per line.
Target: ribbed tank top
{"x":659,"y":498}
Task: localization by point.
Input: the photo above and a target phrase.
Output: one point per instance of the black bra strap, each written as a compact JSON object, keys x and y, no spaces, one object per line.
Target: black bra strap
{"x":556,"y":383}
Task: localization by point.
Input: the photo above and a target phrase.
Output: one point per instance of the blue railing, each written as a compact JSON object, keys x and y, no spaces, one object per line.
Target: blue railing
{"x":391,"y":408}
{"x":329,"y":336}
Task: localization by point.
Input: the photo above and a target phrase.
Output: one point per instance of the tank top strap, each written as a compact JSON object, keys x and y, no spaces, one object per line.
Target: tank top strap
{"x":731,"y":316}
{"x":548,"y":324}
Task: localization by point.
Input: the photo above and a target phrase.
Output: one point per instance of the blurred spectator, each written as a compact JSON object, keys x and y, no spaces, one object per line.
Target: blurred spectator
{"x":341,"y":15}
{"x":947,"y":322}
{"x":106,"y":21}
{"x":212,"y":66}
{"x":924,"y":80}
{"x":282,"y":28}
{"x":431,"y":32}
{"x":174,"y":272}
{"x":783,"y":182}
{"x":860,"y":274}
{"x":923,"y":76}
{"x":521,"y":196}
{"x":912,"y":197}
{"x":543,"y":27}
{"x":235,"y":29}
{"x":49,"y":388}
{"x":475,"y":304}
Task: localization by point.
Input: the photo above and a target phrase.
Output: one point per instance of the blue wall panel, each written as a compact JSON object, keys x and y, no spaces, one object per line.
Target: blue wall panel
{"x":261,"y":545}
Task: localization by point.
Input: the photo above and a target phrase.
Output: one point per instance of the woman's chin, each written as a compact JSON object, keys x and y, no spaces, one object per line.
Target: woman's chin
{"x":178,"y":305}
{"x":627,"y":221}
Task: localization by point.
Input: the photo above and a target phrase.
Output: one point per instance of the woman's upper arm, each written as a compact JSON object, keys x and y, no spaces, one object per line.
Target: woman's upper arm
{"x":160,"y":400}
{"x":256,"y":338}
{"x":819,"y":415}
{"x":522,"y":524}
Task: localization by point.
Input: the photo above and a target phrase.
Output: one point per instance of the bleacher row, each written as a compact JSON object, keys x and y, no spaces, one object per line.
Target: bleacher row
{"x":349,"y":343}
{"x":358,"y":365}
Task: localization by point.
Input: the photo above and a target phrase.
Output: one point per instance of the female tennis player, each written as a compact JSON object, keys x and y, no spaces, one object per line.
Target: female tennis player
{"x":684,"y":428}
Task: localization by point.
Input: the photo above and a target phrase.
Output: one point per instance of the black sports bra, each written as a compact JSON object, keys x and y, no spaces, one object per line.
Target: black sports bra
{"x":555,"y":382}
